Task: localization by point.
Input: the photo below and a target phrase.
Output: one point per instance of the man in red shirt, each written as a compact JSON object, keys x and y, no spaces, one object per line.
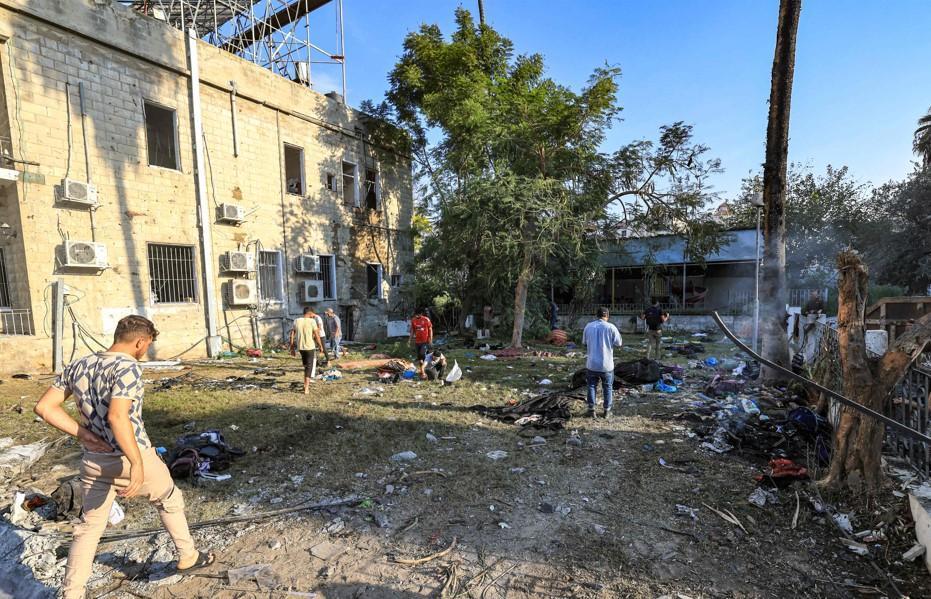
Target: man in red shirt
{"x":421,"y":338}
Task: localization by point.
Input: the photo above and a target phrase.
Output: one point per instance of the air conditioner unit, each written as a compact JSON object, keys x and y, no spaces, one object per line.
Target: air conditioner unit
{"x":85,"y":254}
{"x":308,"y":263}
{"x":242,"y":292}
{"x":313,"y":291}
{"x":78,"y":192}
{"x":238,"y":262}
{"x":232,"y":213}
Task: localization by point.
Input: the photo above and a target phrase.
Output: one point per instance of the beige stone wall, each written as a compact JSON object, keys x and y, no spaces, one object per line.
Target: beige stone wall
{"x":141,"y":60}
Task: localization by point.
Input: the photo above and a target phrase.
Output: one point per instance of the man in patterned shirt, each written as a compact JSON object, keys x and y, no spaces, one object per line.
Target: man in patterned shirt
{"x":118,"y":457}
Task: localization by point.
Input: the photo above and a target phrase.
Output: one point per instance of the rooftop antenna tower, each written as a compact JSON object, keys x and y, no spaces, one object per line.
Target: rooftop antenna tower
{"x":274,"y":34}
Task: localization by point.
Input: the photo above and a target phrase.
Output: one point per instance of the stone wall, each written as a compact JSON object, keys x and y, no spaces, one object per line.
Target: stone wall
{"x":124,"y":59}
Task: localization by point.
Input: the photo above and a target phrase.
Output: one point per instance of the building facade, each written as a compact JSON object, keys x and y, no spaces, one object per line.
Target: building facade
{"x":149,"y":172}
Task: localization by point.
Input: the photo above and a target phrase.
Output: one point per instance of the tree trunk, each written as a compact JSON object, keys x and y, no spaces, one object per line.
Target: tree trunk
{"x":772,"y":287}
{"x":520,"y":298}
{"x":857,"y":451}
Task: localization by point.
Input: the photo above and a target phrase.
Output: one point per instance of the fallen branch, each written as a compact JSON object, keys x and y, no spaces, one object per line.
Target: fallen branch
{"x":496,"y":578}
{"x":452,"y":578}
{"x":429,"y":558}
{"x":727,"y":516}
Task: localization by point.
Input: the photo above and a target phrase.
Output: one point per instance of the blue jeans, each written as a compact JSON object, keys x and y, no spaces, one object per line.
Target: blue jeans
{"x":334,"y":344}
{"x":607,"y":381}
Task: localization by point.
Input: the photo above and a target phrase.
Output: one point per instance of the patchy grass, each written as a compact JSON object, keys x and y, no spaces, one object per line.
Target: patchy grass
{"x":337,"y":441}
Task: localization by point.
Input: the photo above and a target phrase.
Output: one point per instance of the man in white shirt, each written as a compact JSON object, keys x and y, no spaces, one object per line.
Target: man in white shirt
{"x":600,"y":337}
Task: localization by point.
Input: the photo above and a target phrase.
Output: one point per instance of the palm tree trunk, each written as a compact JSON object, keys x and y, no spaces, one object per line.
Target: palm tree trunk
{"x":772,"y":285}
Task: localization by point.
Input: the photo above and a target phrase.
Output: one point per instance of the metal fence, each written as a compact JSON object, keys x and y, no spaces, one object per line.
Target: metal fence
{"x":16,"y":322}
{"x":909,"y":406}
{"x":909,"y":403}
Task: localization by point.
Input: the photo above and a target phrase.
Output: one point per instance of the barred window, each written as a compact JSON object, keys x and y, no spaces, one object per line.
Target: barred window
{"x":327,"y":274}
{"x":4,"y":283}
{"x":395,"y":280}
{"x":171,"y":274}
{"x":270,"y":276}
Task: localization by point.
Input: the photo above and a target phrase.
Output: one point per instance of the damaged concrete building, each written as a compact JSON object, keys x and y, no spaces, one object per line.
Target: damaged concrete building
{"x":150,"y":169}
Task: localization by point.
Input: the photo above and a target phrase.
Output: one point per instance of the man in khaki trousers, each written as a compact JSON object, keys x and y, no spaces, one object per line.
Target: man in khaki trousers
{"x":118,"y":457}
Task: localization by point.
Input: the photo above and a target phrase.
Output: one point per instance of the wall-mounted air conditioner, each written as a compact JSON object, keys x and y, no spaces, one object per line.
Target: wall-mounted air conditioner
{"x":307,"y":263}
{"x":313,"y":291}
{"x":78,"y":192}
{"x":85,"y":254}
{"x":232,"y":213}
{"x":238,"y":262}
{"x":242,"y":292}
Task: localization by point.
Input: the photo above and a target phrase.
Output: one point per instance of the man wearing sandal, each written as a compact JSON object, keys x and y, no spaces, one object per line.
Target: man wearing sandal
{"x":118,"y":457}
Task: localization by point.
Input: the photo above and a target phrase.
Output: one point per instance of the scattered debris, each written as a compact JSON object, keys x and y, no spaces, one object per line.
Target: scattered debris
{"x":497,"y":454}
{"x":423,"y":560}
{"x":262,"y":574}
{"x":843,"y":523}
{"x":685,"y":510}
{"x":915,"y":552}
{"x":727,"y":516}
{"x":404,"y":456}
{"x":17,"y":459}
{"x":854,"y":546}
{"x":760,"y":497}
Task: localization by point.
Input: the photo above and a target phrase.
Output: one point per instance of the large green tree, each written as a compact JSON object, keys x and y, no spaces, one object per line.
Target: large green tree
{"x":921,"y":143}
{"x":516,"y":184}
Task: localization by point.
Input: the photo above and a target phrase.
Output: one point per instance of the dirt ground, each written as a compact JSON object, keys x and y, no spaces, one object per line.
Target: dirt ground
{"x":547,"y":520}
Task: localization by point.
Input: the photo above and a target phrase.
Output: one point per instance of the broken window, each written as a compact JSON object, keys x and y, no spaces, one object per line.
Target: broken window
{"x":330,"y":182}
{"x":371,"y":189}
{"x":270,"y":276}
{"x":350,"y":189}
{"x":161,"y":133}
{"x":294,"y":169}
{"x":373,"y":274}
{"x":171,"y":274}
{"x":327,"y":274}
{"x":5,"y":301}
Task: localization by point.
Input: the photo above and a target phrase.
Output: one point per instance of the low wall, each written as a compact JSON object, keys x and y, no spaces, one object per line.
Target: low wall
{"x":692,"y":323}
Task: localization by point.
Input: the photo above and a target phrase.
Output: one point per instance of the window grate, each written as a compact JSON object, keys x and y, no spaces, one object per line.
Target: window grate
{"x":270,"y":276}
{"x":327,"y":274}
{"x":4,"y":283}
{"x":171,"y":274}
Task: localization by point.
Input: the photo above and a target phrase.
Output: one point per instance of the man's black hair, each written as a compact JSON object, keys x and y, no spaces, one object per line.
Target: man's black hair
{"x":308,"y":309}
{"x":602,"y":312}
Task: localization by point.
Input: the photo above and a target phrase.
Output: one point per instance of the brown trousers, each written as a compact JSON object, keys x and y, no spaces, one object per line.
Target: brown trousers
{"x":101,"y":476}
{"x":654,"y":339}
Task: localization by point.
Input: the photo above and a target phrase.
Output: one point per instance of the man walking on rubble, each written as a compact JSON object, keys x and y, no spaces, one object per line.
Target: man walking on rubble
{"x":305,"y":339}
{"x":118,"y":457}
{"x":655,"y":317}
{"x":600,"y":338}
{"x":334,"y":328}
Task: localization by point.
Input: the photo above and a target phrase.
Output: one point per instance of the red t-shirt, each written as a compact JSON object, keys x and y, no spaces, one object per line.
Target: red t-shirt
{"x":422,"y":328}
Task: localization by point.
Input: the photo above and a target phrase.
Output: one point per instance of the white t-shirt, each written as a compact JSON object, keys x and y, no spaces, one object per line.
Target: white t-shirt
{"x":601,"y":337}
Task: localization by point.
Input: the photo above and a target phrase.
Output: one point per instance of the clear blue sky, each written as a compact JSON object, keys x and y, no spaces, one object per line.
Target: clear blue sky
{"x":862,"y":78}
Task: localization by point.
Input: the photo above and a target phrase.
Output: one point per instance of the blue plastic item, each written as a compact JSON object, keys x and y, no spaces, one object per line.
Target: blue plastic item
{"x":711,"y":361}
{"x":408,"y":374}
{"x":661,"y":386}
